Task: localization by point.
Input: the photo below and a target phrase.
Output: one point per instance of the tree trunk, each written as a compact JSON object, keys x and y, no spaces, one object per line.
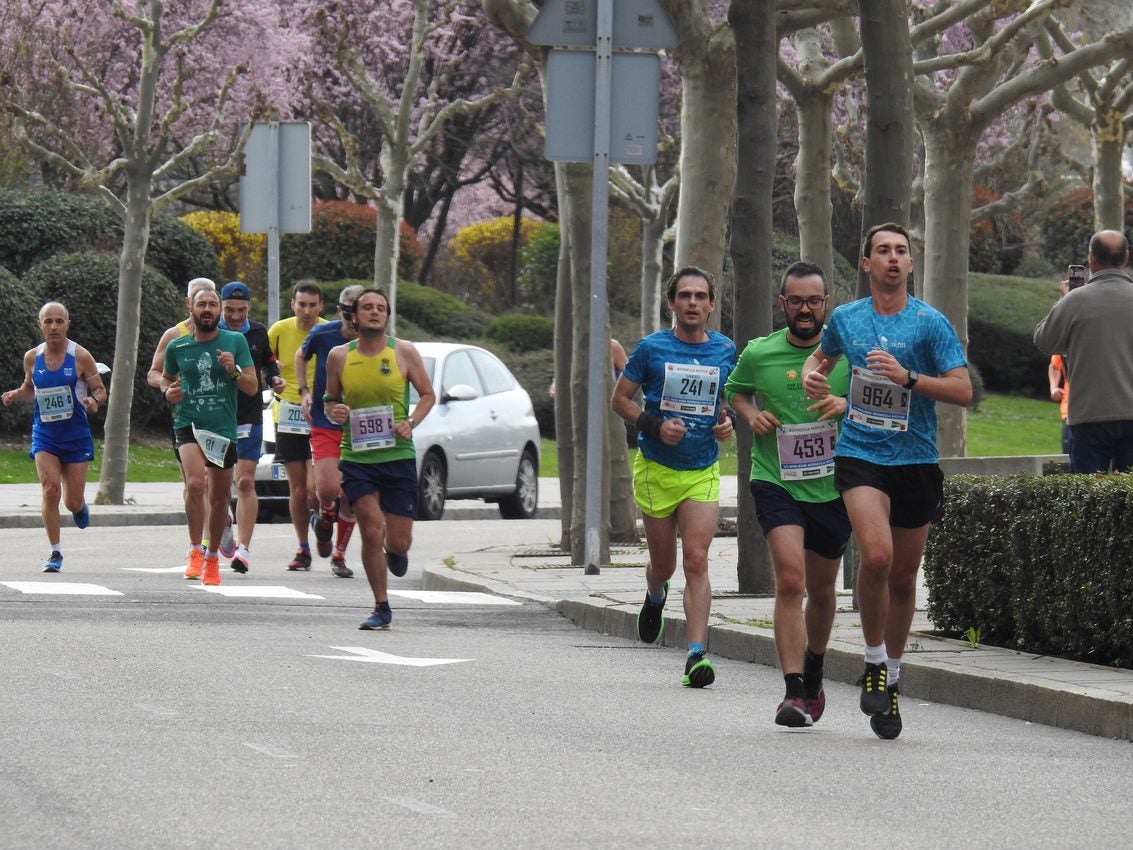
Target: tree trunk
{"x":623,"y":509}
{"x":395,"y":168}
{"x":135,"y":239}
{"x":813,"y":206}
{"x":564,"y":411}
{"x":890,"y":128}
{"x":579,"y":189}
{"x":652,"y":264}
{"x":756,"y":48}
{"x":949,"y":157}
{"x":708,"y":139}
{"x":1109,"y":136}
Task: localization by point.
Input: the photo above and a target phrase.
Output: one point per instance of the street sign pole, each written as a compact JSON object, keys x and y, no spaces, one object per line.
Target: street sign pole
{"x":273,"y":224}
{"x":597,"y":471}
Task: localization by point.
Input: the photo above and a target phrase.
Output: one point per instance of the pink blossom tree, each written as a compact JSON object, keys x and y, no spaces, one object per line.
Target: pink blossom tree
{"x":146,"y":89}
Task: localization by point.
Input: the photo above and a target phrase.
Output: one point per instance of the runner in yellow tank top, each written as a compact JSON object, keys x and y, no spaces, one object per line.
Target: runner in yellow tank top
{"x":368,"y":394}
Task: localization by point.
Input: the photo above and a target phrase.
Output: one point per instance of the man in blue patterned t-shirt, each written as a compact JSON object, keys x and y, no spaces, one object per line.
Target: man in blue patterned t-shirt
{"x":676,"y":476}
{"x":904,"y":357}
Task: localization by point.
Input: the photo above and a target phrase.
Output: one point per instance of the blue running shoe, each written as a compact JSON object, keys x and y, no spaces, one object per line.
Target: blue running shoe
{"x":82,"y":518}
{"x":53,"y":564}
{"x":380,"y":618}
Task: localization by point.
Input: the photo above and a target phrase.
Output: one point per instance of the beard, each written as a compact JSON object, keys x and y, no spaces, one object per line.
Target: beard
{"x":206,"y":324}
{"x":808,"y":332}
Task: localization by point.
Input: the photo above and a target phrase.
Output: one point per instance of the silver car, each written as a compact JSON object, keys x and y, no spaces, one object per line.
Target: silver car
{"x":480,"y":441}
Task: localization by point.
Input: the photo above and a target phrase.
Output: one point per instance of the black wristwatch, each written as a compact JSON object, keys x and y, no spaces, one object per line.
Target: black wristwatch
{"x":914,"y":376}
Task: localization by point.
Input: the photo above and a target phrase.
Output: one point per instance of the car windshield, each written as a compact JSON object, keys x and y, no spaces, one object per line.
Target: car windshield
{"x":430,"y":366}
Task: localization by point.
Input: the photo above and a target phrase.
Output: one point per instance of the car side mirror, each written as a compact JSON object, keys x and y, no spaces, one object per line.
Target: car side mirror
{"x":460,"y":392}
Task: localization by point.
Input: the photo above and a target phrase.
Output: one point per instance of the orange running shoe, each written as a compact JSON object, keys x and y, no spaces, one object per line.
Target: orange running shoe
{"x":196,"y":563}
{"x":212,"y":572}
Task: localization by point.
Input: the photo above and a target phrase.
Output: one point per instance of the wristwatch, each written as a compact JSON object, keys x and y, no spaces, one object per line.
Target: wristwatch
{"x":914,"y":376}
{"x":412,"y":423}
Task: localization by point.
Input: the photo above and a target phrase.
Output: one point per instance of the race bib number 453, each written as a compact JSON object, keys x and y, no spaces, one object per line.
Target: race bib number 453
{"x":690,"y":389}
{"x":806,"y":450}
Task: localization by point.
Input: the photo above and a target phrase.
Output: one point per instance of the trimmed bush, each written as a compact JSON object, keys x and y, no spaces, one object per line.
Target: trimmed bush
{"x":37,"y":225}
{"x":535,"y":370}
{"x":522,"y":333}
{"x":1002,"y":314}
{"x":1037,"y":564}
{"x":19,"y":328}
{"x":87,"y":284}
{"x":180,"y":253}
{"x":439,"y":314}
{"x":341,"y":245}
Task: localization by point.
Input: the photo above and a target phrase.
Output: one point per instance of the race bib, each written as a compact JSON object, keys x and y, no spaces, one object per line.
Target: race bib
{"x":243,"y":432}
{"x":291,"y":419}
{"x":690,"y":389}
{"x":877,"y":402}
{"x":806,"y":450}
{"x":213,"y":445}
{"x":372,"y":428}
{"x":55,"y":403}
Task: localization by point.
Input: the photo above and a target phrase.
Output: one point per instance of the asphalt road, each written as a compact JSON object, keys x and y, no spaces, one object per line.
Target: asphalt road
{"x":176,"y":717}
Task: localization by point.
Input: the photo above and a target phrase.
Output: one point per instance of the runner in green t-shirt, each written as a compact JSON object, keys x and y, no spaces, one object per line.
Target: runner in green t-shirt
{"x":202,"y":373}
{"x":792,"y":483}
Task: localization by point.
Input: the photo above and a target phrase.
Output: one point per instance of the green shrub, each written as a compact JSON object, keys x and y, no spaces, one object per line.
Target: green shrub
{"x":522,"y":333}
{"x":181,"y":253}
{"x":1002,"y":314}
{"x":19,"y":328}
{"x":36,"y":225}
{"x":539,"y":269}
{"x":87,"y":284}
{"x":341,"y":245}
{"x":535,"y":370}
{"x":1069,"y":224}
{"x":1037,"y":564}
{"x":439,"y":314}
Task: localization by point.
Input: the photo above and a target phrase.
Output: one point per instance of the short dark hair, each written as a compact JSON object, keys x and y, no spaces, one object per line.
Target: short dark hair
{"x":802,"y":269}
{"x":371,"y":290}
{"x":1109,"y":248}
{"x":689,"y":271}
{"x":887,"y":227}
{"x":309,"y":286}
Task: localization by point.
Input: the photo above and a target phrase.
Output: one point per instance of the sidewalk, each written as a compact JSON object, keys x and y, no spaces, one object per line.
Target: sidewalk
{"x":516,"y":559}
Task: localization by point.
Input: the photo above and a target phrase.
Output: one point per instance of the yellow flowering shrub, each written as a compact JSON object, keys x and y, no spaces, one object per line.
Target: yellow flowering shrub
{"x":242,"y":256}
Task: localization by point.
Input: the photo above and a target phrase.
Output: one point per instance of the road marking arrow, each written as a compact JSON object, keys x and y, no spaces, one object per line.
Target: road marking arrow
{"x":61,"y":588}
{"x":373,"y":656}
{"x":453,"y":597}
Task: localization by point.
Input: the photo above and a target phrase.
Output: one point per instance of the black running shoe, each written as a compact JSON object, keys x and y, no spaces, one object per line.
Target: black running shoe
{"x":888,"y":724}
{"x":324,"y":530}
{"x":874,"y":699}
{"x":792,"y":711}
{"x":650,"y":620}
{"x":398,"y":564}
{"x":699,"y":672}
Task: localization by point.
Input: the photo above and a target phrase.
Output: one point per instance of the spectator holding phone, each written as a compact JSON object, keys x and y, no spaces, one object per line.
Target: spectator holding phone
{"x":1090,"y":329}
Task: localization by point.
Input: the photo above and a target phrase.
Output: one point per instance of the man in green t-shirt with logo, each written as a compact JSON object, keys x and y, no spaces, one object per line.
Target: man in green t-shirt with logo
{"x":202,"y":373}
{"x":792,"y":482}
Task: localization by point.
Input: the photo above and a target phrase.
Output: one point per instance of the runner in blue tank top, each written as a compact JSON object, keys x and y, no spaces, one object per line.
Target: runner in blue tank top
{"x":61,"y":378}
{"x":904,"y":357}
{"x":676,"y":477}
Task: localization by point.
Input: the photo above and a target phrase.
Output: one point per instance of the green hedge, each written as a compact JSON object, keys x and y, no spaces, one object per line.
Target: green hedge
{"x":87,"y":284}
{"x":1038,"y":564}
{"x":1002,"y":314}
{"x":37,"y":225}
{"x":522,"y":333}
{"x":19,"y":328}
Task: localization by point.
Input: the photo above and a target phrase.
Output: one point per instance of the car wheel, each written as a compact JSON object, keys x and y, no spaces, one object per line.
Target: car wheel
{"x":431,"y":488}
{"x":523,"y":503}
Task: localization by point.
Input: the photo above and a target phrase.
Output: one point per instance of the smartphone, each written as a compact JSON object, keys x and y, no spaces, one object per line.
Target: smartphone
{"x":1076,"y":275}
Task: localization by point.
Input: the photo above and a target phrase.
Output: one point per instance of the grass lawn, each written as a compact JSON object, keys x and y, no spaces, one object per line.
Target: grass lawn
{"x":1004,"y":425}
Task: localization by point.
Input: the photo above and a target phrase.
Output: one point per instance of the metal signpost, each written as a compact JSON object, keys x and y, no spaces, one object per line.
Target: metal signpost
{"x":275,"y":190}
{"x":583,"y":85}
